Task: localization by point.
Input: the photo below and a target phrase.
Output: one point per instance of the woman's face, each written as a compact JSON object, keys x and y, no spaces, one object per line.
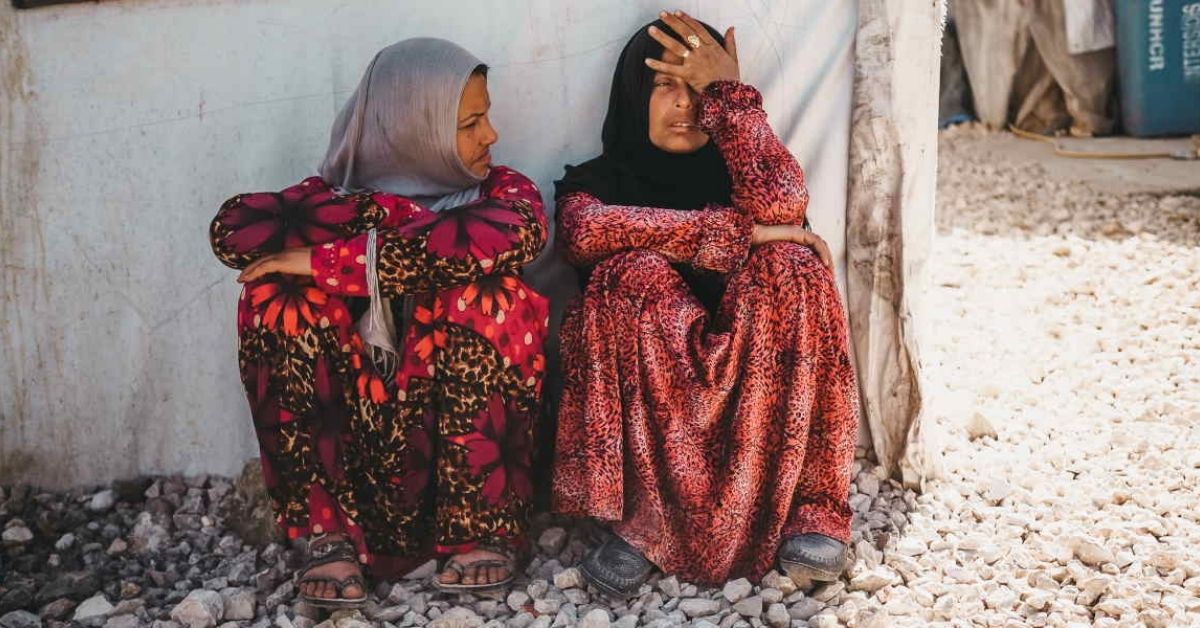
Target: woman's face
{"x":475,"y":132}
{"x":673,"y":113}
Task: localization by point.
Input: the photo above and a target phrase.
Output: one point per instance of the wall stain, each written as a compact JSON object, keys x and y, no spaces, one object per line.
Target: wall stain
{"x":23,"y":280}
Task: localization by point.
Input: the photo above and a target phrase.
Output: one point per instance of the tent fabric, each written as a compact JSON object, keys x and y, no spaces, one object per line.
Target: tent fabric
{"x":893,"y":169}
{"x":1020,"y":59}
{"x":223,"y":127}
{"x":1090,"y":25}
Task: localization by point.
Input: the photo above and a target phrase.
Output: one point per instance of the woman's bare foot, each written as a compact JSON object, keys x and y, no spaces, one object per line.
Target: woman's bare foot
{"x":338,"y":571}
{"x":473,"y":575}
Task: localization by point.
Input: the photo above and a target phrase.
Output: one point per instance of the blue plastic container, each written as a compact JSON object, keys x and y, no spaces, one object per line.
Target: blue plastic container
{"x":1158,"y":59}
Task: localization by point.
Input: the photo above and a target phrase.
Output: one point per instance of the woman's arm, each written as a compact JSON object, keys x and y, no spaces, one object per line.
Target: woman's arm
{"x":500,"y":232}
{"x":767,"y":180}
{"x":717,"y":238}
{"x":250,"y":226}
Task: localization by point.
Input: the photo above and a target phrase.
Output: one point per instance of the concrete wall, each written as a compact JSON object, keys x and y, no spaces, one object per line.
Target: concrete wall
{"x":124,"y":124}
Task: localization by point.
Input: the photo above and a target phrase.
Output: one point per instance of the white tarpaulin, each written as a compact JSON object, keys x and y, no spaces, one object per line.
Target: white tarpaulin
{"x":1090,"y":25}
{"x":123,"y":125}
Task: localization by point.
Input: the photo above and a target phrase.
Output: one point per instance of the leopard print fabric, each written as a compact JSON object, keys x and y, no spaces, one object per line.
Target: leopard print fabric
{"x":705,"y":439}
{"x":436,"y":458}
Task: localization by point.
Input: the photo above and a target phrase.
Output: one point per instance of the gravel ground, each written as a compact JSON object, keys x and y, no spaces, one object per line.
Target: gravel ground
{"x":1064,"y":383}
{"x":1067,"y":382}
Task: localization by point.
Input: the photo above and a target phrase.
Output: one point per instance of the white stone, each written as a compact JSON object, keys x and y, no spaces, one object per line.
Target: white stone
{"x":1039,"y":600}
{"x":569,"y":578}
{"x":1092,"y":552}
{"x":595,"y":618}
{"x":670,"y":586}
{"x":200,"y":609}
{"x":547,"y":605}
{"x":1115,"y":608}
{"x":123,"y":621}
{"x":457,"y":617}
{"x":980,"y":427}
{"x":778,"y":617}
{"x":805,"y":609}
{"x":18,"y":618}
{"x":771,"y":596}
{"x":17,"y":535}
{"x":238,"y":604}
{"x":997,"y":490}
{"x":552,"y":540}
{"x":102,"y":501}
{"x":1002,"y":599}
{"x":148,"y":536}
{"x":749,"y":607}
{"x":737,"y":590}
{"x":909,"y":546}
{"x":517,"y":600}
{"x":776,"y":580}
{"x":824,"y":620}
{"x":874,"y":579}
{"x":868,"y":484}
{"x":698,"y":607}
{"x":95,"y":606}
{"x":626,"y":621}
{"x":902,"y":605}
{"x":424,"y":572}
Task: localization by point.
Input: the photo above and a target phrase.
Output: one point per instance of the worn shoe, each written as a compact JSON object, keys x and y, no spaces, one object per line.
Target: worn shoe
{"x":812,"y":556}
{"x":616,"y":568}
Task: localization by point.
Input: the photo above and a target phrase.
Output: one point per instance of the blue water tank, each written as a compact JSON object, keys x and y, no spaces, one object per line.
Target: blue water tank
{"x":1158,"y":58}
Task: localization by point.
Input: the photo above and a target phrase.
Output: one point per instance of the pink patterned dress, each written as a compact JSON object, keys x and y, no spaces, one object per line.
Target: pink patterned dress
{"x":706,"y":438}
{"x":437,"y":456}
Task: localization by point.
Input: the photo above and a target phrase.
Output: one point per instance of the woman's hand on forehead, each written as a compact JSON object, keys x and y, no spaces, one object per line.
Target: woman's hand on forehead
{"x":704,"y":59}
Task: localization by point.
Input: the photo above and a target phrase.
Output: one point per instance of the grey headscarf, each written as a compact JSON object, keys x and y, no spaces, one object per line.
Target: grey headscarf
{"x":397,"y":134}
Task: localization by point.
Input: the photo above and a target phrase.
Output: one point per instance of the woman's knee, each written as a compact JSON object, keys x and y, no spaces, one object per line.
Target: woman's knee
{"x":634,"y":272}
{"x":499,"y":301}
{"x":784,"y":259}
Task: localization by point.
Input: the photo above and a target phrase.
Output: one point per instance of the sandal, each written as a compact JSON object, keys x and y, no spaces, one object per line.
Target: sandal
{"x":616,"y":568}
{"x":331,"y":551}
{"x":509,"y":562}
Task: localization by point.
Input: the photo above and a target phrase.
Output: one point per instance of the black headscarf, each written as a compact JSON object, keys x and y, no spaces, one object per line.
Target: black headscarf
{"x":631,"y":170}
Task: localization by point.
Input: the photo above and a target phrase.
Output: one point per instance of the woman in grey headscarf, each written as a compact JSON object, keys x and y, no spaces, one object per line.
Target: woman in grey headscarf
{"x":391,"y":353}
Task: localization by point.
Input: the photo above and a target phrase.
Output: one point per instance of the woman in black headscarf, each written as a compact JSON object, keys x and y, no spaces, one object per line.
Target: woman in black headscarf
{"x":710,"y":407}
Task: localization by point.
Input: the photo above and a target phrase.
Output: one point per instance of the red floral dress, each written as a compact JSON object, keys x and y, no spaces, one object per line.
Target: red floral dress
{"x":706,"y":439}
{"x":436,"y":457}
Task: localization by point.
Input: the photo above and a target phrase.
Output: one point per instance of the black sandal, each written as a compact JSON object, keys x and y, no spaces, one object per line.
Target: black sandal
{"x":331,"y":551}
{"x":616,"y":568}
{"x":812,"y":556}
{"x":498,"y":547}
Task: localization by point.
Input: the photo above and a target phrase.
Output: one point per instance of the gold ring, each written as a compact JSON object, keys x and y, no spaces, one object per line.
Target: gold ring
{"x":693,"y":41}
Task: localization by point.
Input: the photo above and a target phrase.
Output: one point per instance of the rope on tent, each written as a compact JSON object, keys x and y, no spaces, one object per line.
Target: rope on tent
{"x":1183,"y":155}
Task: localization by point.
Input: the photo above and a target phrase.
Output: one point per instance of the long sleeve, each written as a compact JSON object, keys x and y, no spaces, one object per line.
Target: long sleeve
{"x":768,"y":182}
{"x":498,"y":233}
{"x":249,"y":226}
{"x":716,"y":238}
